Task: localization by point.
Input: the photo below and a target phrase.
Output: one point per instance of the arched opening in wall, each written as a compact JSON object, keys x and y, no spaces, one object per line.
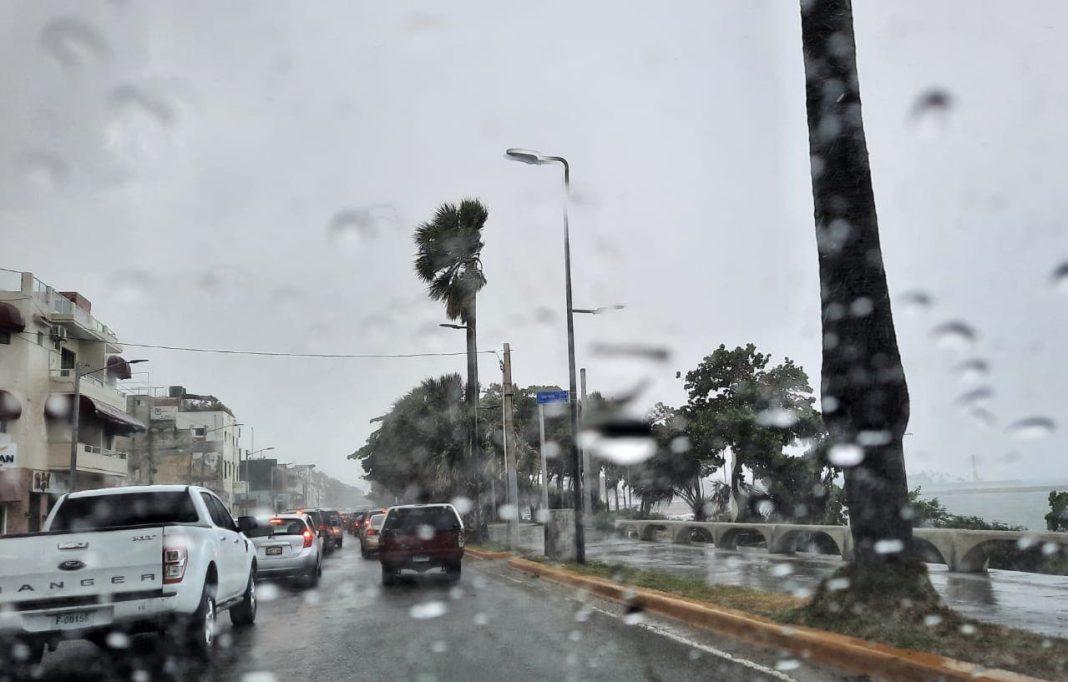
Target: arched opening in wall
{"x":811,"y":542}
{"x":743,"y":538}
{"x":927,"y":551}
{"x":696,"y":534}
{"x":655,"y":533}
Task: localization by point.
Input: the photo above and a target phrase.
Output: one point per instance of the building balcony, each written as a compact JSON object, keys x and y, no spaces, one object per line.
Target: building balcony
{"x":91,"y":459}
{"x":92,"y":386}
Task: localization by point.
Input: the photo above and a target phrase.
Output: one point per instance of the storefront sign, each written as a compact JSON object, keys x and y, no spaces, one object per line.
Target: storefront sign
{"x":8,"y":455}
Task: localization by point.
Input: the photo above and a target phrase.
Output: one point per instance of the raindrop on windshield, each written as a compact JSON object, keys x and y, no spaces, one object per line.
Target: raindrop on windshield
{"x":1060,"y":278}
{"x":838,"y":584}
{"x":916,"y":301}
{"x":352,"y":228}
{"x":889,"y":546}
{"x":931,"y":110}
{"x":972,"y":370}
{"x":552,"y":449}
{"x":680,"y":444}
{"x":782,"y":570}
{"x":543,"y":516}
{"x":967,"y":629}
{"x":954,"y":335}
{"x":975,"y":396}
{"x":259,"y":676}
{"x":439,"y":646}
{"x":778,"y":417}
{"x":462,"y":504}
{"x":787,"y":664}
{"x":932,"y":620}
{"x":72,"y":43}
{"x":430,"y":609}
{"x":1032,"y":428}
{"x":845,"y":455}
{"x":508,"y":511}
{"x":621,"y":441}
{"x":481,"y":619}
{"x":873,"y":438}
{"x":424,"y":532}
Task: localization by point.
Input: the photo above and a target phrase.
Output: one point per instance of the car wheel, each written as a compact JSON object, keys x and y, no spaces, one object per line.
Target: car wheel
{"x":389,"y":576}
{"x":363,"y":552}
{"x":244,"y":614}
{"x":452,"y":571}
{"x":198,"y":633}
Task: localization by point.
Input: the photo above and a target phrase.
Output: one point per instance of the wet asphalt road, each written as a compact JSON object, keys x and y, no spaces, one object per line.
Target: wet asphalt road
{"x":496,"y":624}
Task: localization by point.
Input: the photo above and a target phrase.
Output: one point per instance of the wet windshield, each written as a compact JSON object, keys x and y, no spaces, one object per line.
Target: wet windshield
{"x":566,"y":324}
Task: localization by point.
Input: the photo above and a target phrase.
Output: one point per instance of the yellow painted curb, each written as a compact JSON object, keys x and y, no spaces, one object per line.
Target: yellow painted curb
{"x":486,"y":553}
{"x":879,"y":661}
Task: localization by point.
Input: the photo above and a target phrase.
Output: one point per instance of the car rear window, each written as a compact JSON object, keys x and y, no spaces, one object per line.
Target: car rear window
{"x":408,"y":520}
{"x":124,"y":509}
{"x":376,"y":520}
{"x":333,"y":518}
{"x":268,"y":527}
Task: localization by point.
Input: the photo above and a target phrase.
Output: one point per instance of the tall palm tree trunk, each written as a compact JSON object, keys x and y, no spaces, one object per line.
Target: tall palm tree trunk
{"x":863,"y":387}
{"x":474,"y":449}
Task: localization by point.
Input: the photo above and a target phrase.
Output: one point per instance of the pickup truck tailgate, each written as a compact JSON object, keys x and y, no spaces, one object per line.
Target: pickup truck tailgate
{"x":53,"y":570}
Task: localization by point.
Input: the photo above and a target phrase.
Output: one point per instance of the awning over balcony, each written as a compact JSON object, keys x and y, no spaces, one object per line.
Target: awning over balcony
{"x":10,"y":407}
{"x":11,"y":319}
{"x":118,"y":367}
{"x":58,"y":406}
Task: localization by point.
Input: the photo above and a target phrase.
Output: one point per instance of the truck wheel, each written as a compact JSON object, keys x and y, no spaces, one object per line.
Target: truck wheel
{"x":244,"y":614}
{"x":198,"y":634}
{"x":452,"y":571}
{"x":389,"y":576}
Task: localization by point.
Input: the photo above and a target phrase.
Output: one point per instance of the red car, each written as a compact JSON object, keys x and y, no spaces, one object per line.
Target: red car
{"x":421,"y":537}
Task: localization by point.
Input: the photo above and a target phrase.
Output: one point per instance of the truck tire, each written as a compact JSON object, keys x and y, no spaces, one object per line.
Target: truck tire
{"x":389,"y":576}
{"x":244,"y":614}
{"x":452,"y":571}
{"x":198,"y":632}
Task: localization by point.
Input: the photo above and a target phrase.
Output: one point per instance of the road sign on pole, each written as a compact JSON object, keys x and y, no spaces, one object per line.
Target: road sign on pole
{"x":546,"y":397}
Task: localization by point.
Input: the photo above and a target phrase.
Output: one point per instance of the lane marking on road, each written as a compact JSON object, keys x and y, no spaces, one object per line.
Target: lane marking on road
{"x":665,"y":632}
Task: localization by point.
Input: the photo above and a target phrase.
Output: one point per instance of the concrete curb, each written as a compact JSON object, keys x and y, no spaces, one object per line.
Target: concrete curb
{"x":486,"y":553}
{"x":879,"y":661}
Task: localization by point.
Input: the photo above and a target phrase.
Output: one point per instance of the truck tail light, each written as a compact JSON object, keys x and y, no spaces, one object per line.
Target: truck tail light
{"x":174,"y":562}
{"x":308,"y":538}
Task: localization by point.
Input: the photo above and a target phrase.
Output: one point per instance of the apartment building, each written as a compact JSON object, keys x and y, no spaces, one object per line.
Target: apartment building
{"x":191,"y":439}
{"x":55,"y":356}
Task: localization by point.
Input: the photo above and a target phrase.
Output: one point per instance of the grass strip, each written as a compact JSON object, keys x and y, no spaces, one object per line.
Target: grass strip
{"x":942,"y":632}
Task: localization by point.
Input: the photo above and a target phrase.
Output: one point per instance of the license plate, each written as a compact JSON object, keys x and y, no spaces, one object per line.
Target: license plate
{"x":73,"y":619}
{"x":420,"y":559}
{"x":274,"y":551}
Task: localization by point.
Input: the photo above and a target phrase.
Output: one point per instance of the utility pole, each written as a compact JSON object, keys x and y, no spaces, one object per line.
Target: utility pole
{"x":544,"y":467}
{"x":509,"y":453}
{"x":585,"y":451}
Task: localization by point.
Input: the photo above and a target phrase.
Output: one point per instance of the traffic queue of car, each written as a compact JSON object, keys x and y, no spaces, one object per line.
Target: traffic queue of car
{"x":168,"y":559}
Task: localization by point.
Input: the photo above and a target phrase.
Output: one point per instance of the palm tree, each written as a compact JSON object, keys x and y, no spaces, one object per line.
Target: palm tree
{"x":449,"y":261}
{"x":863,"y":388}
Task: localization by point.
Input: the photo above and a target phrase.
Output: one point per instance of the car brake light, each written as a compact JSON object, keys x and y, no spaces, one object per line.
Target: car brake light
{"x":174,"y":561}
{"x":371,"y":531}
{"x":308,"y":538}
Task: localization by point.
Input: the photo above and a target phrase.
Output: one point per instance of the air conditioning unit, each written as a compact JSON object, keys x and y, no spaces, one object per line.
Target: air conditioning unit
{"x":58,"y":333}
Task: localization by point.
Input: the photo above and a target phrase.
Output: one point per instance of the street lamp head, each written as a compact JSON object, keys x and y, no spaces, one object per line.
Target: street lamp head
{"x":452,"y":326}
{"x":524,"y":155}
{"x":134,"y":362}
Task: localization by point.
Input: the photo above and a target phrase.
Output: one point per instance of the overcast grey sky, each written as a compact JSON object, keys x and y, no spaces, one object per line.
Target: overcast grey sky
{"x":181,"y":164}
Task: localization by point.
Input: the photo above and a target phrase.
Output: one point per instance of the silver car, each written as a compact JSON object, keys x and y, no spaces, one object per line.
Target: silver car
{"x":369,"y":538}
{"x":288,"y":546}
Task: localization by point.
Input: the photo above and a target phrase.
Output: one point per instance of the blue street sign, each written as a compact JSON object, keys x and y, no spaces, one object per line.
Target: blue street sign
{"x":546,"y":397}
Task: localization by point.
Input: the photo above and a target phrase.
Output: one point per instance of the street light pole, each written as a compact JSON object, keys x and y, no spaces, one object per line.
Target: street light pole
{"x":531,"y":157}
{"x":75,"y":418}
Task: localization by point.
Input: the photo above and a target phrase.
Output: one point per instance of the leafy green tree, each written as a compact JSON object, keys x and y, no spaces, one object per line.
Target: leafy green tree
{"x":1057,"y":518}
{"x":448,"y":259}
{"x":418,"y":453}
{"x":737,"y":401}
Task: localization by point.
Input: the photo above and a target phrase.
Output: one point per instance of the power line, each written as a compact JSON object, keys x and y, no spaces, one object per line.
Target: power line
{"x":356,"y":356}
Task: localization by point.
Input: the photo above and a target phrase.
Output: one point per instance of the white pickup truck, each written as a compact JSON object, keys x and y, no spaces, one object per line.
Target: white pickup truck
{"x":166,"y":558}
